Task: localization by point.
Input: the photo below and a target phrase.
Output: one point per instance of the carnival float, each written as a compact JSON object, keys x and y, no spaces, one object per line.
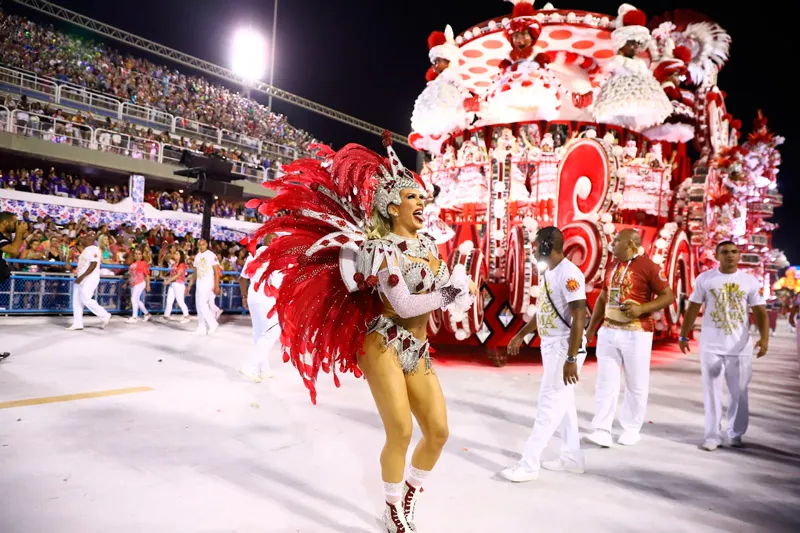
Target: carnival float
{"x":592,"y":123}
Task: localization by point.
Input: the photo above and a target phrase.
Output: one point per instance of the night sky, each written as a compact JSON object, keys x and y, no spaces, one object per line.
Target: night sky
{"x":368,"y":58}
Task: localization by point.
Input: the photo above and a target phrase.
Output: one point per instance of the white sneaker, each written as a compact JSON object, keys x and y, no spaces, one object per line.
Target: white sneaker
{"x":520,"y":473}
{"x":710,"y":445}
{"x":213,"y":329}
{"x":74,"y":328}
{"x":105,"y":322}
{"x":250,"y":375}
{"x":735,"y":442}
{"x":185,"y":320}
{"x":218,"y":313}
{"x":629,"y":438}
{"x":563,"y":465}
{"x":266,"y":374}
{"x":146,"y":318}
{"x":132,"y":320}
{"x":600,"y":438}
{"x":394,"y":518}
{"x":163,"y":318}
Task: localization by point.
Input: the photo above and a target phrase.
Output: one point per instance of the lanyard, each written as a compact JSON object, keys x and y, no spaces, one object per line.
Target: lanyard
{"x":622,"y":277}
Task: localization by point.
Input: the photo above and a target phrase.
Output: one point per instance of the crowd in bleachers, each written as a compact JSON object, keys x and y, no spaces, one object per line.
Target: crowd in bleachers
{"x":50,"y":53}
{"x":67,"y":185}
{"x":49,"y":122}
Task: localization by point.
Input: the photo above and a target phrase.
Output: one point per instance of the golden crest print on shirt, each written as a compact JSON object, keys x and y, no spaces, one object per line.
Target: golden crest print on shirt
{"x":729,"y":311}
{"x":545,"y":318}
{"x":202,"y":267}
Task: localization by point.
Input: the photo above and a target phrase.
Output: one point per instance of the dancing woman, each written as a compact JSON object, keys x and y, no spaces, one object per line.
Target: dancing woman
{"x":360,"y":300}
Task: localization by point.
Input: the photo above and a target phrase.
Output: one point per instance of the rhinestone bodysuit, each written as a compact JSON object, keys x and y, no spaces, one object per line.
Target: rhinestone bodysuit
{"x":419,"y":278}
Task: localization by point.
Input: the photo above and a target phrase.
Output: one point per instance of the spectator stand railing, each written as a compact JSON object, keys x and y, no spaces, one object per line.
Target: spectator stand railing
{"x":65,"y":93}
{"x":52,"y":129}
{"x":35,"y":292}
{"x":65,"y":131}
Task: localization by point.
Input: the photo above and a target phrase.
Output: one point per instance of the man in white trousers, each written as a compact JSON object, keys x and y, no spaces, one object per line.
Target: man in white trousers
{"x":560,"y":320}
{"x":725,"y":345}
{"x":207,"y":275}
{"x":86,"y":284}
{"x":266,"y":331}
{"x":625,"y":342}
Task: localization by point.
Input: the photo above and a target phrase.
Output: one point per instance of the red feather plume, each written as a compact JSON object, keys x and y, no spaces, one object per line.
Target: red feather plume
{"x":323,"y":325}
{"x":683,"y":53}
{"x":436,"y":38}
{"x":523,"y":9}
{"x":634,"y":17}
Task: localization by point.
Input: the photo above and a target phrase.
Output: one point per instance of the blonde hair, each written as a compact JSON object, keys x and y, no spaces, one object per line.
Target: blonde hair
{"x":378,"y":226}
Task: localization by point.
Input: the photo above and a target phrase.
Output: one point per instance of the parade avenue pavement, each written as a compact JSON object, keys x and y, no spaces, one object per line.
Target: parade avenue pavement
{"x":145,"y":428}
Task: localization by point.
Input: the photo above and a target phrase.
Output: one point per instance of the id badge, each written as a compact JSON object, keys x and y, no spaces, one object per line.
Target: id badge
{"x":613,"y":298}
{"x":613,"y":310}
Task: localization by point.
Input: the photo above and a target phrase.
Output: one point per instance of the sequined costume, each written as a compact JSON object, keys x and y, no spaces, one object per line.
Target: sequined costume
{"x":338,"y":284}
{"x":420,"y":291}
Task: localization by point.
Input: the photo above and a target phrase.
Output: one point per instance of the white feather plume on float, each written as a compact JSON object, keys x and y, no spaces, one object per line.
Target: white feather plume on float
{"x":710,"y":45}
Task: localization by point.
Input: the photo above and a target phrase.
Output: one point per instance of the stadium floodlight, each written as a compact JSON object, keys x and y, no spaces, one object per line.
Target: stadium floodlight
{"x":249,"y":54}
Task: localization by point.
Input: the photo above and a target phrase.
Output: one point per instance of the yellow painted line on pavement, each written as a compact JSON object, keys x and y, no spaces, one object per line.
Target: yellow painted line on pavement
{"x":71,"y":397}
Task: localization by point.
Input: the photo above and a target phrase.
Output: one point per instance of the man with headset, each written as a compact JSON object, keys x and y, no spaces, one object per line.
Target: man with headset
{"x":560,"y":323}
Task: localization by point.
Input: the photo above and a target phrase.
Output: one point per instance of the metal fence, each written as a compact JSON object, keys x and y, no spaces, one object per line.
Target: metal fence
{"x":48,"y":292}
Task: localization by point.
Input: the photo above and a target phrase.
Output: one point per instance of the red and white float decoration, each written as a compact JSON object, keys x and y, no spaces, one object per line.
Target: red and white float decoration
{"x":521,"y":269}
{"x":462,"y":325}
{"x":590,"y":179}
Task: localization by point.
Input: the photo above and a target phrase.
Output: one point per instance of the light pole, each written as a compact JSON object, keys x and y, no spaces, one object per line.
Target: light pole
{"x":272,"y":52}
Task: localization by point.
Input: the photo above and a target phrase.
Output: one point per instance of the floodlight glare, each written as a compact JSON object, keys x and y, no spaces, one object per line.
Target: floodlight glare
{"x":249,"y":55}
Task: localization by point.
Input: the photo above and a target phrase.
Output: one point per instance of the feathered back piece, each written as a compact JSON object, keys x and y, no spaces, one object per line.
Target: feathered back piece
{"x":319,"y":212}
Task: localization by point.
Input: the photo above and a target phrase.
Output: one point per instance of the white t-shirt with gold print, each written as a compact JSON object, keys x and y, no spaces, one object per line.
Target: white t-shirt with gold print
{"x":726,"y":317}
{"x":566,"y":284}
{"x":204,"y":264}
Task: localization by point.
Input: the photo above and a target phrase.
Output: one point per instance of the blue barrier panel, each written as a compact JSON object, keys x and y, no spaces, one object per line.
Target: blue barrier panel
{"x":50,"y":293}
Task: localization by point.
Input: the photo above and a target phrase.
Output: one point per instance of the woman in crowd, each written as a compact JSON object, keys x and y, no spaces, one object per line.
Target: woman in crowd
{"x":176,"y":286}
{"x":139,"y":281}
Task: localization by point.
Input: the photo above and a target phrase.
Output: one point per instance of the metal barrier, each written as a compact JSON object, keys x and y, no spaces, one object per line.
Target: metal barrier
{"x":128,"y":145}
{"x":50,"y":293}
{"x":23,"y":82}
{"x":57,"y":130}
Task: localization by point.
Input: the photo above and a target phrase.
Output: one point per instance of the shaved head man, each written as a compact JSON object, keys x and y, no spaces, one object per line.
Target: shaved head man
{"x":625,"y":341}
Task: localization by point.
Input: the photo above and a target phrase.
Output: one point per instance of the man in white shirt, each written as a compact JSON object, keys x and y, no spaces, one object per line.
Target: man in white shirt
{"x":266,"y":331}
{"x":86,"y":284}
{"x":725,"y":344}
{"x":207,"y":275}
{"x":560,"y":323}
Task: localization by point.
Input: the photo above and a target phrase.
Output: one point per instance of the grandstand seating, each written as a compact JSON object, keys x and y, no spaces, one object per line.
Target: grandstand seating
{"x":163,"y":110}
